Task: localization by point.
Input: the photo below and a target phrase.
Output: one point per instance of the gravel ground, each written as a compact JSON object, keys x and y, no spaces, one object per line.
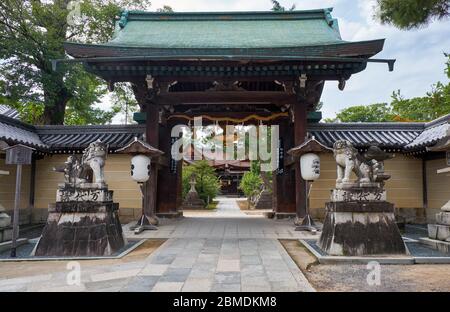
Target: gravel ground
{"x":406,"y":278}
{"x":353,"y":277}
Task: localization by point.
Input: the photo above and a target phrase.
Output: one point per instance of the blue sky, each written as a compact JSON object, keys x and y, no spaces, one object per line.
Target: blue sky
{"x":419,"y":53}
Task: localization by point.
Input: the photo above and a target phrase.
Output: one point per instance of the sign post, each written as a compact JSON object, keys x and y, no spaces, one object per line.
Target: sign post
{"x":17,"y":155}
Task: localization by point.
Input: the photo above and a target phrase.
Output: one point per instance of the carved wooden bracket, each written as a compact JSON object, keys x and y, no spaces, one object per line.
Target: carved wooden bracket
{"x":145,"y":91}
{"x":308,"y":91}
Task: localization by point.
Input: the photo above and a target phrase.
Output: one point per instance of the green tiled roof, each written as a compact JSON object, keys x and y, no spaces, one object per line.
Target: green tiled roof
{"x":226,"y":35}
{"x":226,"y":30}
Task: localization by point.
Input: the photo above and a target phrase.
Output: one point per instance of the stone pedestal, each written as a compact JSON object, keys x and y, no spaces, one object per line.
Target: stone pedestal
{"x":84,"y":221}
{"x":359,"y":221}
{"x":439,"y":233}
{"x":193,"y":201}
{"x":441,"y":230}
{"x":6,"y":234}
{"x":5,"y":225}
{"x":5,"y":219}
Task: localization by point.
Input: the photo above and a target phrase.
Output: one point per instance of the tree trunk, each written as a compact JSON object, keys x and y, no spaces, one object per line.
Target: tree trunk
{"x":56,"y":97}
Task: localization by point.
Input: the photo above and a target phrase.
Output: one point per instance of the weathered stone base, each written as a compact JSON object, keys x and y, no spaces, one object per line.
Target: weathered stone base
{"x":81,"y":229}
{"x":5,"y":234}
{"x":439,"y":231}
{"x":443,"y":218}
{"x":361,"y":228}
{"x":358,"y":194}
{"x":5,"y":220}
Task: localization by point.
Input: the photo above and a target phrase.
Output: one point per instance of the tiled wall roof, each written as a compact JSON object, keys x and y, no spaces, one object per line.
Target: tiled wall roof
{"x":407,"y":137}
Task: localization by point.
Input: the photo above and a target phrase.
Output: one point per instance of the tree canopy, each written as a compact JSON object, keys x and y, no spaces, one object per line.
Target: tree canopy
{"x":434,"y":104}
{"x":251,"y":181}
{"x":380,"y":112}
{"x":32,"y":33}
{"x":207,"y":185}
{"x":411,"y":13}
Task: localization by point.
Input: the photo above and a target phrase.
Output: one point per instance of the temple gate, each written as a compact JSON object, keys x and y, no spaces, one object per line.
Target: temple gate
{"x":226,"y":65}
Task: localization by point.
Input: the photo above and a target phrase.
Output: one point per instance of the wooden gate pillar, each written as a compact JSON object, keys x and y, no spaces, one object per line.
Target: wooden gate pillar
{"x":300,"y":132}
{"x":284,"y":179}
{"x":150,"y":188}
{"x":169,"y":176}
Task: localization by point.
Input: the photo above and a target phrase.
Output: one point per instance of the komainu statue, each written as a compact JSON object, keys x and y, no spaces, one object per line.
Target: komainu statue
{"x":84,"y":220}
{"x":359,"y":220}
{"x":89,"y":168}
{"x":94,"y":156}
{"x":368,"y":167}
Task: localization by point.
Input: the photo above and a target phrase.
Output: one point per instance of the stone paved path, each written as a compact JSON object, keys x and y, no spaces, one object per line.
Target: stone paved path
{"x":222,"y":265}
{"x":230,"y":251}
{"x":227,"y":222}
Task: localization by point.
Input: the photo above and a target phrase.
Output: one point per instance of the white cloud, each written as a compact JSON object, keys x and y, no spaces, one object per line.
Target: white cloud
{"x":419,"y":55}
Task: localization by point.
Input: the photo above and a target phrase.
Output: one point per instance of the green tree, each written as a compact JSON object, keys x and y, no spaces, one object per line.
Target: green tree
{"x":32,"y":33}
{"x":408,"y":14}
{"x":432,"y":106}
{"x":251,"y":181}
{"x":277,"y":7}
{"x":364,"y":113}
{"x":207,"y":185}
{"x":435,"y":104}
{"x":165,"y":9}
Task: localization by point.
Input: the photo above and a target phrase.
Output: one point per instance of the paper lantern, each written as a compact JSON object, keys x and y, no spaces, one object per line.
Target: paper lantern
{"x":140,"y":168}
{"x":310,"y":167}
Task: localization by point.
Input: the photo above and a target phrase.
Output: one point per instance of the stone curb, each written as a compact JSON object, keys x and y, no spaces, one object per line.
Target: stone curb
{"x":121,"y":255}
{"x":381,"y":260}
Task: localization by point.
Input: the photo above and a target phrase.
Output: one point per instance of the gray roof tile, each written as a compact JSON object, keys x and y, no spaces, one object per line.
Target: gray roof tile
{"x":433,"y":133}
{"x":13,"y":131}
{"x":8,"y":111}
{"x":405,"y":136}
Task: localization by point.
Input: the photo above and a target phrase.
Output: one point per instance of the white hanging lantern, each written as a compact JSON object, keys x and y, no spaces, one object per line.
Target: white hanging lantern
{"x":140,"y":168}
{"x":310,"y":166}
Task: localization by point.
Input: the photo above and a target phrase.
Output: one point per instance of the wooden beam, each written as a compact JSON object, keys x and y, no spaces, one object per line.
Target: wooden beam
{"x":225,"y":97}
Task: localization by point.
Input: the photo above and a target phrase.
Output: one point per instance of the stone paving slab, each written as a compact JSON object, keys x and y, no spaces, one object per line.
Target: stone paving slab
{"x":228,"y":221}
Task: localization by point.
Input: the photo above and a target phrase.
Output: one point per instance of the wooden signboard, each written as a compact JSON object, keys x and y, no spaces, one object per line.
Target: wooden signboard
{"x":18,"y":155}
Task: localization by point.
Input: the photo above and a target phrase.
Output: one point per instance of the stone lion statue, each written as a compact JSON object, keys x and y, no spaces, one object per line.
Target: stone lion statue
{"x":87,"y":169}
{"x":348,"y":160}
{"x":369,"y":167}
{"x":94,"y":157}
